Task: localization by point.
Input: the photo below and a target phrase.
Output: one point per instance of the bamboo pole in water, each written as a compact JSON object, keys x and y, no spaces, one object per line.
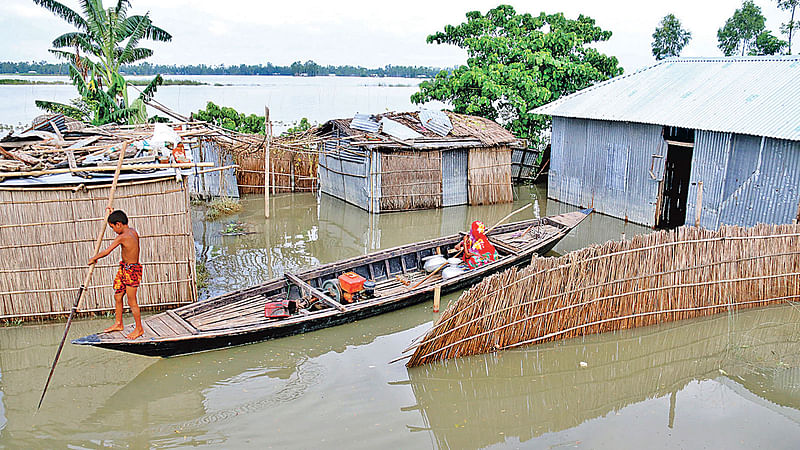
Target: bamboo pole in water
{"x":82,"y":289}
{"x":268,"y":132}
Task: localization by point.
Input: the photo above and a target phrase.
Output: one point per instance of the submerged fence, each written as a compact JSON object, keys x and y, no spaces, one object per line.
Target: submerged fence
{"x":661,"y":277}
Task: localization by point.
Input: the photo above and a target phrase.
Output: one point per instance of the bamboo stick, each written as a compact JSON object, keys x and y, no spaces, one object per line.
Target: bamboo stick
{"x":97,"y":244}
{"x":36,"y":173}
{"x":268,"y":132}
{"x":699,"y":206}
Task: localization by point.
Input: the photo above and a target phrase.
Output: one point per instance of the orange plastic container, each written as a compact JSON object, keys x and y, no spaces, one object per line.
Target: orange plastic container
{"x":351,"y":282}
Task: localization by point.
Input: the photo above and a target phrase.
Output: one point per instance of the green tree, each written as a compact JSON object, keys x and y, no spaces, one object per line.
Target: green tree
{"x":105,"y":40}
{"x":741,"y":31}
{"x":231,"y":119}
{"x":669,"y":38}
{"x":767,"y":44}
{"x":517,"y":62}
{"x":789,"y":27}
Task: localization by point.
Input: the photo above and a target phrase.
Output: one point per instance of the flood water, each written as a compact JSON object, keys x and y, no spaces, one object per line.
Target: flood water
{"x":727,"y":381}
{"x":289,"y":98}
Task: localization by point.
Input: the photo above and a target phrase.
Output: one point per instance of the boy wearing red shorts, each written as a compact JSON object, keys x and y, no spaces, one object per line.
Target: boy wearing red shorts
{"x":129,"y":274}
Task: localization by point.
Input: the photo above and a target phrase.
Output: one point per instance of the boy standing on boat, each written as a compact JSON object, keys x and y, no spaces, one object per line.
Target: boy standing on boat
{"x":129,"y":275}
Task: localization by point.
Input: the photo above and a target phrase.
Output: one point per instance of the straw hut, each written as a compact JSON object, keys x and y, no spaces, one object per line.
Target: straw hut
{"x":54,"y":185}
{"x":415,"y":160}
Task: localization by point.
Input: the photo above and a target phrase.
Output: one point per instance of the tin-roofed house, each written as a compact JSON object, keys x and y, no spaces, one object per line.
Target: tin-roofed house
{"x":416,"y":160}
{"x":708,"y":140}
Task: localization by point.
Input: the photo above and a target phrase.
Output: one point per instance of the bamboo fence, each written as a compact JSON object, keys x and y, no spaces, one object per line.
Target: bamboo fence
{"x":293,"y":163}
{"x":46,"y":241}
{"x":661,"y":277}
{"x":490,"y":176}
{"x":410,"y":180}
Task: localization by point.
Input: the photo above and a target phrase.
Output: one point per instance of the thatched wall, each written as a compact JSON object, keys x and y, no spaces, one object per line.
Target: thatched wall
{"x":411,"y":180}
{"x":293,"y":164}
{"x":47,"y":236}
{"x":490,"y":176}
{"x":661,"y":277}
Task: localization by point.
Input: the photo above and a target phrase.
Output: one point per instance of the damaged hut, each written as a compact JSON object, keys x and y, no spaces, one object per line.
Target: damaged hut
{"x":54,"y":183}
{"x":415,"y":160}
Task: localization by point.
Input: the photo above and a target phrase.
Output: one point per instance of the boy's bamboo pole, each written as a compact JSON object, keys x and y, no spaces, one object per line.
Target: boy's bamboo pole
{"x":268,"y":132}
{"x":82,"y":288}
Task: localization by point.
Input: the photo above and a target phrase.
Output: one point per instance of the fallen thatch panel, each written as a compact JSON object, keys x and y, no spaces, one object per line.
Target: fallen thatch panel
{"x":662,"y":277}
{"x":47,"y":236}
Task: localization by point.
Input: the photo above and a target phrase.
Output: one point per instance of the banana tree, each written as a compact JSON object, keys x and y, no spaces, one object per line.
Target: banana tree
{"x":106,"y":38}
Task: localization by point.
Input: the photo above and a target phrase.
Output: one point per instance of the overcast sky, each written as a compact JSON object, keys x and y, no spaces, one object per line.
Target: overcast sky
{"x":366,"y":33}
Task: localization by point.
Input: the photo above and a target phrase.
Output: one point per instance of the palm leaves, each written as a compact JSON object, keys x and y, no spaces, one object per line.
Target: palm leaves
{"x":105,"y":39}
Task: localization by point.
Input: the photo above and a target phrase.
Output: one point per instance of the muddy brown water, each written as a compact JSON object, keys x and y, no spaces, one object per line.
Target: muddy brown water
{"x":726,"y":381}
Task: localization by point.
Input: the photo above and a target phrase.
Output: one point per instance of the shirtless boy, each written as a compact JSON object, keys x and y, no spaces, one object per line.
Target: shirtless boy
{"x":129,"y":274}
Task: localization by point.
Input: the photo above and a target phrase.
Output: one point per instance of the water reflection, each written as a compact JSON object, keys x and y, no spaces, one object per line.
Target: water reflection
{"x":524,"y":394}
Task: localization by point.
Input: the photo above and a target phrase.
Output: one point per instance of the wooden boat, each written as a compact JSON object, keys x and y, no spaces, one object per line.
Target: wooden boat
{"x":238,"y":317}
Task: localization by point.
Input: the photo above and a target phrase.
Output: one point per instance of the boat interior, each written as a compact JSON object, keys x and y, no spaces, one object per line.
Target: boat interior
{"x":387,"y":274}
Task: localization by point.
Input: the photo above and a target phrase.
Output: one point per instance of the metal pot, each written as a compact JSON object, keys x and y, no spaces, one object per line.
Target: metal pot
{"x":454,"y":261}
{"x":433,"y":262}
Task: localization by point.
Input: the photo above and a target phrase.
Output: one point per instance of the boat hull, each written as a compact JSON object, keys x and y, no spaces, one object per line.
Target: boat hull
{"x":205,"y":340}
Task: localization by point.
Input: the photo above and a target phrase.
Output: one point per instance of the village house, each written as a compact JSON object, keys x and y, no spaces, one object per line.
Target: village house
{"x":415,"y":160}
{"x":709,"y":140}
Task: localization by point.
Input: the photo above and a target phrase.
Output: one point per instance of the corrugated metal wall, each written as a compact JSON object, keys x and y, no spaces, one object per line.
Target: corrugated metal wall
{"x":454,"y":177}
{"x":212,"y":184}
{"x":746,"y":180}
{"x":343,"y":173}
{"x":607,"y":166}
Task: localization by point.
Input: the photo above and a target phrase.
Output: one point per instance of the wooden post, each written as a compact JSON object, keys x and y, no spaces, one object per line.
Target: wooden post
{"x":797,"y":219}
{"x":437,"y":294}
{"x":699,"y":206}
{"x":268,"y":132}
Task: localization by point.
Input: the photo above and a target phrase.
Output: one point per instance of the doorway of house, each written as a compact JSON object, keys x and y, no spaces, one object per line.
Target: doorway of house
{"x":677,"y":170}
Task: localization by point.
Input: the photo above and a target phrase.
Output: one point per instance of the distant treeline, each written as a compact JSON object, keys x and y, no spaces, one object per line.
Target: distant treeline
{"x":308,"y":68}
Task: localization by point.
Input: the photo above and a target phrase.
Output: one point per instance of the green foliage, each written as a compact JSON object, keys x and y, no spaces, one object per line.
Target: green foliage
{"x":203,"y":275}
{"x":669,"y":38}
{"x":222,"y":206}
{"x":790,"y":27}
{"x":105,"y":39}
{"x":767,"y":44}
{"x":231,"y":119}
{"x":300,"y":127}
{"x":517,"y":62}
{"x":740,"y":33}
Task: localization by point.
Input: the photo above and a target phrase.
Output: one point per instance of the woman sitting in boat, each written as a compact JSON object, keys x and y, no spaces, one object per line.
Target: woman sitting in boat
{"x":476,"y":246}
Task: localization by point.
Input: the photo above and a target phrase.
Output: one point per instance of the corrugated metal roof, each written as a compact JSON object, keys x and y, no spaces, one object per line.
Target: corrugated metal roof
{"x":398,"y":130}
{"x":749,"y":95}
{"x":436,"y":121}
{"x":365,"y":122}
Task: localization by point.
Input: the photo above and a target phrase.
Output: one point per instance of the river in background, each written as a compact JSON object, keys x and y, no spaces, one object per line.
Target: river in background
{"x":289,"y":98}
{"x":726,"y":381}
